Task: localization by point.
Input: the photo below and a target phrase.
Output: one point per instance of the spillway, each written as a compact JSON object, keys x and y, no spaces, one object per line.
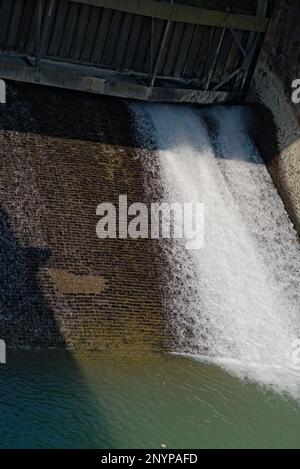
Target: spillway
{"x":235,"y":302}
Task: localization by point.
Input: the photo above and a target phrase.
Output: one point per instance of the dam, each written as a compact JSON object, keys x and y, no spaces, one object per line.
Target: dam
{"x":77,"y":129}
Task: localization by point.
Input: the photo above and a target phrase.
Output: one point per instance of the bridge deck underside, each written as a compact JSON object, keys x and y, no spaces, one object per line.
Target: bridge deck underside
{"x":139,"y":49}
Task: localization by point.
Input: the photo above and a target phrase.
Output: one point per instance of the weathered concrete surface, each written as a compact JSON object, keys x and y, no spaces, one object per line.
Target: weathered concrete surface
{"x":61,"y":154}
{"x":278,"y":66}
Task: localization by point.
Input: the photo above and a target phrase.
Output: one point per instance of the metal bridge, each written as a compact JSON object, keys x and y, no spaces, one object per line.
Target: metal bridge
{"x":200,"y":51}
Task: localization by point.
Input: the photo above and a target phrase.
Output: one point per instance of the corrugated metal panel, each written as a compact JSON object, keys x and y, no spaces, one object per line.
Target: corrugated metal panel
{"x":81,"y":33}
{"x":224,"y":5}
{"x":6,"y":12}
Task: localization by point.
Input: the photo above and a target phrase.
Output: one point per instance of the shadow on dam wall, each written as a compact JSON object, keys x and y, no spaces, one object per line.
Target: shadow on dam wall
{"x":67,"y":115}
{"x":24,"y":312}
{"x":61,"y":154}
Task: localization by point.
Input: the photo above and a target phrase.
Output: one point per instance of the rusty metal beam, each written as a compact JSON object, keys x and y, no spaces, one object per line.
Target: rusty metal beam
{"x":81,"y":78}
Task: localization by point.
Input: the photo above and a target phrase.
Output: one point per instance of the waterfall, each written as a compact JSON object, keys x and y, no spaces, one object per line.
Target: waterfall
{"x":236,"y":302}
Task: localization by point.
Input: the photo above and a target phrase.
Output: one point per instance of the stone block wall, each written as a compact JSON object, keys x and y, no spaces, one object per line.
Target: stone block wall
{"x":278,"y":67}
{"x":61,"y":154}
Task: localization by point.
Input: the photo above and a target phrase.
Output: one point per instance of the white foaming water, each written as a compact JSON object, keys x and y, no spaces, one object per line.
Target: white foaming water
{"x":236,"y":301}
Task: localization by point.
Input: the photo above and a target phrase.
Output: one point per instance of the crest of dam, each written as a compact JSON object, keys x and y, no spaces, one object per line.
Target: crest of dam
{"x":236,"y":301}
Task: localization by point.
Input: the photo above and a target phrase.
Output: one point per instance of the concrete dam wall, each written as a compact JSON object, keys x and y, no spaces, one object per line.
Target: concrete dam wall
{"x":278,"y":67}
{"x":63,"y":153}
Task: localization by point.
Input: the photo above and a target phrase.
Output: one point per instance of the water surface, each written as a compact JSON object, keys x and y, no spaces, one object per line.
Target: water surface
{"x":55,"y":400}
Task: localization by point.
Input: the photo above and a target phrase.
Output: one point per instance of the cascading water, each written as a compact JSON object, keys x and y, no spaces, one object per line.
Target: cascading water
{"x":236,"y":301}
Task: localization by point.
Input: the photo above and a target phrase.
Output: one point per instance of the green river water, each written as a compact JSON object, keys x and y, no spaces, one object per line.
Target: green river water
{"x":58,"y":400}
